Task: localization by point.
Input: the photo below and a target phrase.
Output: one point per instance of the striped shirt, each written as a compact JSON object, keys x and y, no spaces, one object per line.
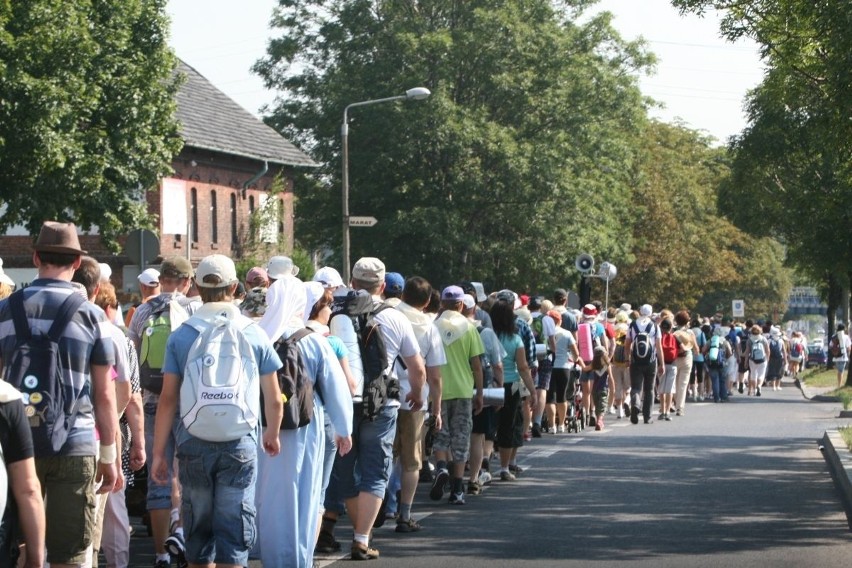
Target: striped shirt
{"x":86,"y":341}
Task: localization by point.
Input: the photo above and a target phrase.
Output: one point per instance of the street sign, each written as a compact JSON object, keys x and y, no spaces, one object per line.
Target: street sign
{"x":738,"y":308}
{"x":362,"y":221}
{"x":142,"y":246}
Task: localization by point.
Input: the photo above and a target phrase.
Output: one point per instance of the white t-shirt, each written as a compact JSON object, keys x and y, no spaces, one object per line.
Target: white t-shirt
{"x":493,"y":348}
{"x":548,"y":327}
{"x":432,"y":351}
{"x":564,"y":340}
{"x":844,"y":342}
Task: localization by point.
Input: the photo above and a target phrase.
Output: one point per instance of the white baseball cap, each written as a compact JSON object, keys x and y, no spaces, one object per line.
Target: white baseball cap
{"x":328,"y":277}
{"x":216,"y":265}
{"x":149,"y":277}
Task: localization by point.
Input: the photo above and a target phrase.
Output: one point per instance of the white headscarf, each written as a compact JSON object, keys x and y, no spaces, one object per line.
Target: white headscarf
{"x":314,"y":291}
{"x":285,"y":308}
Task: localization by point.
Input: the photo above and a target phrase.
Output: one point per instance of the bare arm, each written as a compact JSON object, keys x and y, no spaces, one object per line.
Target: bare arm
{"x":478,"y":399}
{"x":347,"y":372}
{"x":122,"y":396}
{"x":524,"y":371}
{"x":27,"y":491}
{"x":433,"y":378}
{"x":274,"y":409}
{"x":136,"y":423}
{"x":497,"y":369}
{"x":106,"y":421}
{"x":416,"y":378}
{"x":163,"y":423}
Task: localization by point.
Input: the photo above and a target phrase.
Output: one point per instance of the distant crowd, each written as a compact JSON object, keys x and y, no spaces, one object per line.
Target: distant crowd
{"x":264,"y":408}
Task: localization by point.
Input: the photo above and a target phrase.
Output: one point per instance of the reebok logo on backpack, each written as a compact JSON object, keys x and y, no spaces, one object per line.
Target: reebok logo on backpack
{"x":165,"y":316}
{"x":35,"y":369}
{"x":642,"y":348}
{"x":220,"y":391}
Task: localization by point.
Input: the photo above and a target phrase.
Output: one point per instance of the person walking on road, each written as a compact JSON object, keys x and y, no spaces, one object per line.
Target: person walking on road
{"x":645,"y":361}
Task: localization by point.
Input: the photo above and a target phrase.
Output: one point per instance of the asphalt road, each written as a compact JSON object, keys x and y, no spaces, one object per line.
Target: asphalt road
{"x":736,"y":484}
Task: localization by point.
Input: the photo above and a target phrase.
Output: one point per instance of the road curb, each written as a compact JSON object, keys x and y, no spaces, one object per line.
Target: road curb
{"x":839,"y":460}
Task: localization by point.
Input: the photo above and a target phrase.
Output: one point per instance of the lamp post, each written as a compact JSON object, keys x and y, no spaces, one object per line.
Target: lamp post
{"x":415,"y":94}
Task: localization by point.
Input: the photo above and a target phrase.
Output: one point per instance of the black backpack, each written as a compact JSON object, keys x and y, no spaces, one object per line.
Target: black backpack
{"x":35,"y":369}
{"x":294,"y":382}
{"x":379,"y":385}
{"x":642,"y":348}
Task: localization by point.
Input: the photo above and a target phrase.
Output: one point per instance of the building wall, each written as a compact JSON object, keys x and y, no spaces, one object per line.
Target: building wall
{"x":205,"y":174}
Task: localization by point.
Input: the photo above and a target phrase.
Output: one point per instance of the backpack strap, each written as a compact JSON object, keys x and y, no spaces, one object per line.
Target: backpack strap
{"x":300,"y":334}
{"x":63,"y":317}
{"x":66,"y":311}
{"x":19,"y":316}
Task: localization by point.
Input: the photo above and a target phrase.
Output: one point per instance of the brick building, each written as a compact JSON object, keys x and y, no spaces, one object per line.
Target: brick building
{"x":232,"y":169}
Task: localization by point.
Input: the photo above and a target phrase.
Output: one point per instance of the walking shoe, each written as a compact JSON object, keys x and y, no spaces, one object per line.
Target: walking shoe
{"x":362,"y":551}
{"x":679,"y":412}
{"x":407,"y":526}
{"x":507,"y":476}
{"x":456,"y":499}
{"x":484,"y":478}
{"x":516,"y":469}
{"x":599,"y":425}
{"x":441,"y":479}
{"x":592,"y":420}
{"x":667,"y":418}
{"x":326,"y":543}
{"x":634,"y":415}
{"x":536,"y":430}
{"x":560,"y":430}
{"x":740,"y":388}
{"x":757,"y":393}
{"x":620,"y":414}
{"x":527,"y":437}
{"x":175,"y":545}
{"x":474,"y":488}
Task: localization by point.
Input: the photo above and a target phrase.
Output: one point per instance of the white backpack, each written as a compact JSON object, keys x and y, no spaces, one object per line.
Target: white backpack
{"x":220,"y":392}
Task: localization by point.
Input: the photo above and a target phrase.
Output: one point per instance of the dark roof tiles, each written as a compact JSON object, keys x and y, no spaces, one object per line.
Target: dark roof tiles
{"x":210,"y":120}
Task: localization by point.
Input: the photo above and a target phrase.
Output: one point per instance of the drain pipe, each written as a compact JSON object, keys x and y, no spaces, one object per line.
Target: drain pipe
{"x":255,"y":177}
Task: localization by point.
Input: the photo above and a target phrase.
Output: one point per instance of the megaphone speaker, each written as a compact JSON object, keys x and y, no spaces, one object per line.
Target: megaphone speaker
{"x":584,"y":262}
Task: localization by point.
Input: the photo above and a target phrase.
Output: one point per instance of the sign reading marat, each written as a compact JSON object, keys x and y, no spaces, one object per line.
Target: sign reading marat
{"x":362,"y":221}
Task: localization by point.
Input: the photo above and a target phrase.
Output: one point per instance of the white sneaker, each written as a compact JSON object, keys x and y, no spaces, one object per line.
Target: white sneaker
{"x":612,"y":410}
{"x":484,"y":478}
{"x":620,"y":412}
{"x":560,"y":429}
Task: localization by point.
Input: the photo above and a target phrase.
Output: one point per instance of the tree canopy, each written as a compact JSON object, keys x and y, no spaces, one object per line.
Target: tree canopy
{"x":86,"y":111}
{"x":520,"y":159}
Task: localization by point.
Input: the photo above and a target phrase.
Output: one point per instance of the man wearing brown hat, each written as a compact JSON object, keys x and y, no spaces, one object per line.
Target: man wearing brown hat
{"x":68,"y":473}
{"x":175,"y":276}
{"x":361,"y":476}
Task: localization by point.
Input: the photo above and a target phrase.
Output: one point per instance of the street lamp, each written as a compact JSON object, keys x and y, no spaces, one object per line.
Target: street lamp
{"x":415,"y":94}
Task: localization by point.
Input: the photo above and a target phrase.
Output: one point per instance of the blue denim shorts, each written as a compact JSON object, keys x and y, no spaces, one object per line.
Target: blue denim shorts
{"x":218,"y":481}
{"x":367,"y":467}
{"x":159,"y":496}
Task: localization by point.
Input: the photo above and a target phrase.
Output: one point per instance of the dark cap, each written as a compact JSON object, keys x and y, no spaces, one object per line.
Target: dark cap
{"x":176,"y":267}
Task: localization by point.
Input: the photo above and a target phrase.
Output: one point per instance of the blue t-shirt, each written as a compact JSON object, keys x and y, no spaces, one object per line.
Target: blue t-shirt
{"x":510,"y":366}
{"x":178,"y":347}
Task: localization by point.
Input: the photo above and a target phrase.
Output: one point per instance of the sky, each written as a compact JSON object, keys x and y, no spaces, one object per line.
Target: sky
{"x":700,"y":79}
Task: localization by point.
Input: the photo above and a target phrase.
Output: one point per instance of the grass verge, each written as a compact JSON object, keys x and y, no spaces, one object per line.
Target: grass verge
{"x":820,"y":378}
{"x":846,"y":432}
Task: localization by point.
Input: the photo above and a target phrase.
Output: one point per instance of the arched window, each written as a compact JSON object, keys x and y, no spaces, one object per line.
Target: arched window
{"x":194,"y":207}
{"x":214,"y":213}
{"x":233,"y":218}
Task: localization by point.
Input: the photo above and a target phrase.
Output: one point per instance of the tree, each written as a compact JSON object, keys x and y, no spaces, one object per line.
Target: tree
{"x":86,"y":112}
{"x":687,"y":254}
{"x":521,"y":158}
